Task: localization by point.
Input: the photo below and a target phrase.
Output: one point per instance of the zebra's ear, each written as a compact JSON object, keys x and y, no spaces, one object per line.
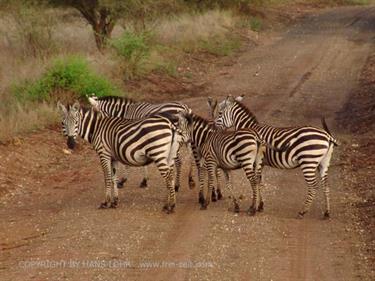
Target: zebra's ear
{"x":189,"y":118}
{"x":229,"y":100}
{"x":61,"y":108}
{"x":212,"y":104}
{"x":76,"y":106}
{"x":93,"y":101}
{"x":240,"y":98}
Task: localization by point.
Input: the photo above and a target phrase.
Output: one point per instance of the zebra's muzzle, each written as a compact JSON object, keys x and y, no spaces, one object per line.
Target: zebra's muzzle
{"x":71,"y":142}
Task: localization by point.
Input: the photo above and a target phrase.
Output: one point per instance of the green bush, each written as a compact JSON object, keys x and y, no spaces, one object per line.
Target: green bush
{"x":255,"y":23}
{"x":133,"y":49}
{"x":71,"y":74}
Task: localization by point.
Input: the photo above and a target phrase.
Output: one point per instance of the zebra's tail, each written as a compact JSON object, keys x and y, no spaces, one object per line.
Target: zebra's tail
{"x":325,"y":127}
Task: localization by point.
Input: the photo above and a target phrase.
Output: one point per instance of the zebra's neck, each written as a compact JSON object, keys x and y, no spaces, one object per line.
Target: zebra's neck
{"x":88,"y":120}
{"x":246,"y":119}
{"x":202,"y":129}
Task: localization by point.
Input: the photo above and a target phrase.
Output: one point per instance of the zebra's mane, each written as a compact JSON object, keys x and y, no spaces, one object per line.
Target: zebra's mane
{"x":247,"y":110}
{"x":200,"y":119}
{"x":111,"y":98}
{"x":85,"y":109}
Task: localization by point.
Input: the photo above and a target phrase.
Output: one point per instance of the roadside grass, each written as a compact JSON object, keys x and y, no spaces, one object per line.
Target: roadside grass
{"x":17,"y":119}
{"x":33,"y":38}
{"x":70,"y":75}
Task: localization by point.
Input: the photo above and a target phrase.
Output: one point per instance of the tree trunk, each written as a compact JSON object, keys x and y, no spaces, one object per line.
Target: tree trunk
{"x":100,"y":20}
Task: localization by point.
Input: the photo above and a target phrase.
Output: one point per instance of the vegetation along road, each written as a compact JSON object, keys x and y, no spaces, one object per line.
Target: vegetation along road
{"x":50,"y":228}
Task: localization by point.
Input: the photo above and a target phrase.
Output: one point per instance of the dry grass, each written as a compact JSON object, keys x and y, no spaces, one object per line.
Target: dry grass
{"x":18,"y":119}
{"x":189,"y":29}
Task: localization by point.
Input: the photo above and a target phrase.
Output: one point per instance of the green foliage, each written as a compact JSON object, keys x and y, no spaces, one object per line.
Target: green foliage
{"x":255,"y":23}
{"x":133,"y":49}
{"x":72,"y":75}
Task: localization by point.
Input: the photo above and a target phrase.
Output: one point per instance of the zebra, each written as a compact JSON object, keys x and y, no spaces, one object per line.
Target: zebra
{"x":129,"y":109}
{"x":310,"y":148}
{"x":130,"y":142}
{"x":228,"y":151}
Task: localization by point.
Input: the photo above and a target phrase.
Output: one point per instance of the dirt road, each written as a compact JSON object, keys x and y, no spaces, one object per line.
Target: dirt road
{"x":50,"y":228}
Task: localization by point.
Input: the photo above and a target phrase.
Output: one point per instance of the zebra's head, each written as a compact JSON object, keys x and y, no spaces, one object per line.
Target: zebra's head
{"x":213,"y":108}
{"x":185,"y":123}
{"x":225,"y":117}
{"x":93,"y":100}
{"x":70,"y":122}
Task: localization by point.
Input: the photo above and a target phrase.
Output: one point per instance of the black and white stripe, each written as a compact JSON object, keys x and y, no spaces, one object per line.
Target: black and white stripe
{"x":215,"y":149}
{"x":309,"y":148}
{"x":130,"y":109}
{"x":130,"y":142}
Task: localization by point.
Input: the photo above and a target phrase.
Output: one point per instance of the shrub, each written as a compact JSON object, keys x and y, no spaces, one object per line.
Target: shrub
{"x":133,"y":49}
{"x":255,"y":23}
{"x":72,"y":75}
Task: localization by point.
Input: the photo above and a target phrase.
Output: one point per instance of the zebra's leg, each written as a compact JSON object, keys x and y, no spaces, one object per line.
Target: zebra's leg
{"x":201,"y":175}
{"x":177,"y":164}
{"x":167,"y":173}
{"x":261,"y":186}
{"x":213,"y":193}
{"x":228,"y":185}
{"x":143,"y":183}
{"x":259,"y":177}
{"x":251,"y":176}
{"x":323,"y":171}
{"x":309,"y":173}
{"x":114,"y":202}
{"x":194,"y":161}
{"x":105,"y":161}
{"x":122,"y":180}
{"x":218,"y":188}
{"x":211,"y":170}
{"x":191,"y":182}
{"x":171,"y":197}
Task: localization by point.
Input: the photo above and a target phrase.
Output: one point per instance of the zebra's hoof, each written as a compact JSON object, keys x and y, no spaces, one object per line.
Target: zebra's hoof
{"x":104,"y":205}
{"x":114,"y":204}
{"x":121,"y":182}
{"x":261,"y":207}
{"x":176,"y":188}
{"x":168,"y":209}
{"x":213,"y":196}
{"x":326,"y":215}
{"x":143,"y":184}
{"x":191,"y":183}
{"x":204,"y":207}
{"x":219,"y":195}
{"x":201,"y":198}
{"x":251,"y":211}
{"x":301,"y":215}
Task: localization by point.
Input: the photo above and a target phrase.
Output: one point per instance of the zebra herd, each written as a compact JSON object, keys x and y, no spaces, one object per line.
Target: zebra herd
{"x":139,"y":133}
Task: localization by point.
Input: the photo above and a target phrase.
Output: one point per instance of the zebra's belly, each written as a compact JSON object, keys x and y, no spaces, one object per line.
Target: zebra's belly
{"x":229,"y":165}
{"x":281,"y":164}
{"x":138,"y":159}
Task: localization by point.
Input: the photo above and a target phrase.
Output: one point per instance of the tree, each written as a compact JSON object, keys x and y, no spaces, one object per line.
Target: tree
{"x":101,"y":15}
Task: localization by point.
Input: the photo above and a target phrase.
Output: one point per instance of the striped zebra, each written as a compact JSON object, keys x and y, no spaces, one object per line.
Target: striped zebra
{"x":130,"y":109}
{"x":130,"y":142}
{"x":309,"y":148}
{"x":227,"y":151}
